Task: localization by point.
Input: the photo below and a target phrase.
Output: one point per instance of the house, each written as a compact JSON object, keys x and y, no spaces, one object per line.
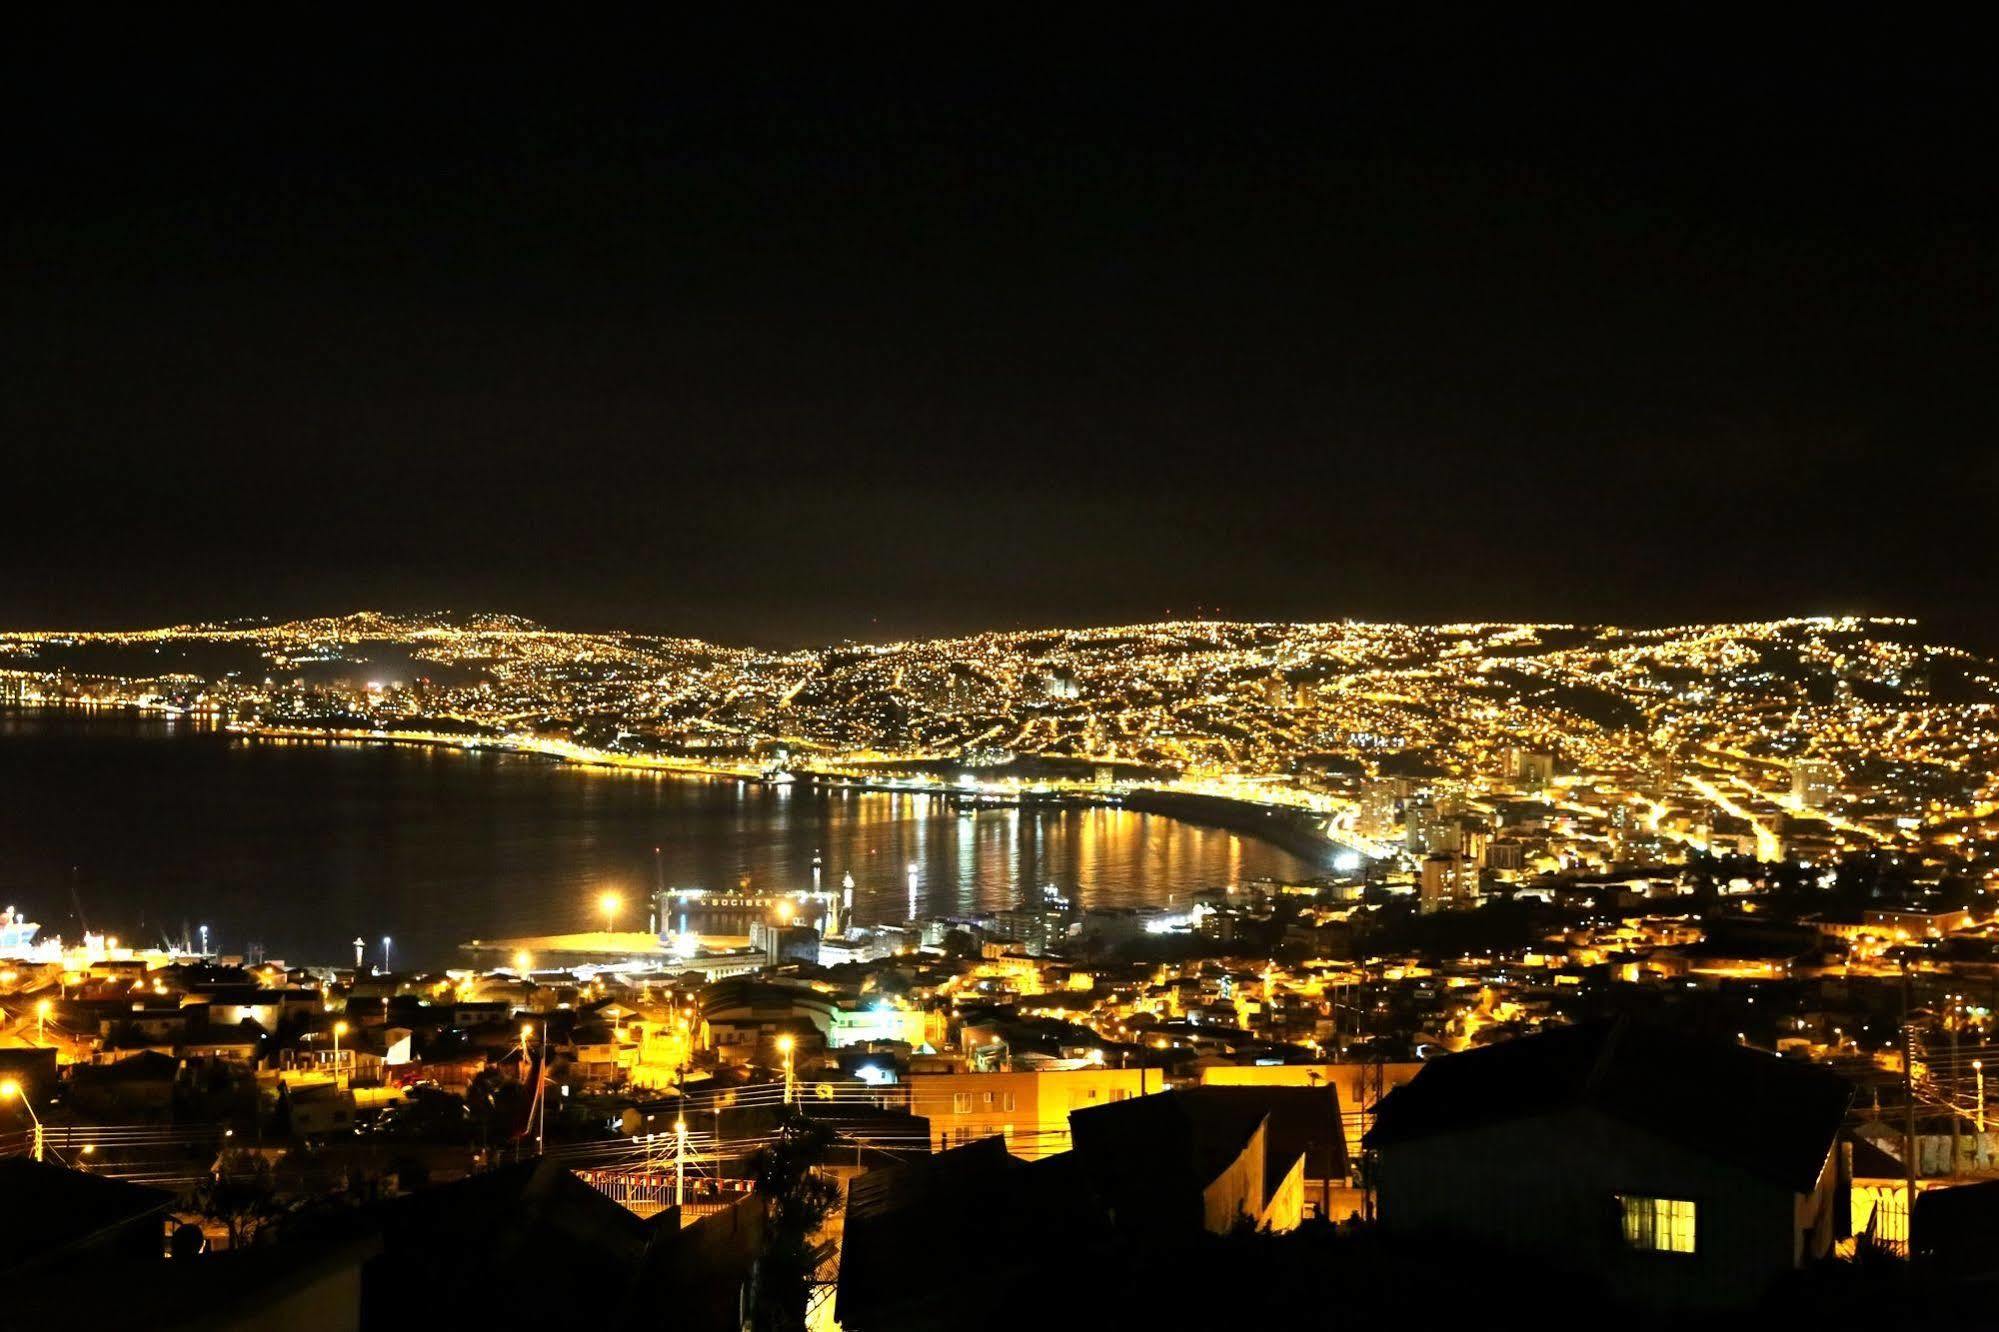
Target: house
{"x":595,"y":1059}
{"x":471,"y":1014}
{"x":1029,"y":1109}
{"x":965,"y":1237}
{"x":1358,"y":1085}
{"x":1304,"y":1133}
{"x":1914,"y":922}
{"x":1675,"y":1169}
{"x":532,"y":1245}
{"x":702,"y":1272}
{"x":139,"y":1085}
{"x":949,"y":1240}
{"x":316,"y":1108}
{"x":1957,"y":1231}
{"x":299,"y":1285}
{"x":741,"y":1019}
{"x":56,"y":1218}
{"x":1211,"y":1158}
{"x":239,"y":1046}
{"x":34,"y":1068}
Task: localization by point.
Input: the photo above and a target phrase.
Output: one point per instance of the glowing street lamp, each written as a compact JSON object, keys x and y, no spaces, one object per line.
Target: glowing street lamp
{"x":339,"y":1030}
{"x":609,"y":904}
{"x":523,"y":962}
{"x":42,"y":1008}
{"x":784,"y":1047}
{"x":10,"y":1089}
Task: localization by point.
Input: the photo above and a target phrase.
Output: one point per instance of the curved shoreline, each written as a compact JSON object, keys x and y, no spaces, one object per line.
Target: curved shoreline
{"x":1289,"y":830}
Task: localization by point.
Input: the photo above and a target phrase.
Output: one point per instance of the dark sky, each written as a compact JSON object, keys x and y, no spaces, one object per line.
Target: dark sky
{"x":789,"y":335}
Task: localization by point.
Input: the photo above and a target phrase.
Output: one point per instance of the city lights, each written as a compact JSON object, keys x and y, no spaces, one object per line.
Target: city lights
{"x":1201,"y":677}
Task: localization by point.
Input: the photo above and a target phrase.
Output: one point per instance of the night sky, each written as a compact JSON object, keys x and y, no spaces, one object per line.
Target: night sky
{"x":790,"y":336}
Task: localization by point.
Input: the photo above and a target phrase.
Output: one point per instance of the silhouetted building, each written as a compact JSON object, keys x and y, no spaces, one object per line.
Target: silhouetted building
{"x":54,"y":1218}
{"x":1676,"y":1170}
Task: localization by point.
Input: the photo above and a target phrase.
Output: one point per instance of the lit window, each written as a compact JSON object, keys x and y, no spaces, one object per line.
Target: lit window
{"x":961,"y":1103}
{"x":1007,"y":1101}
{"x":1662,"y":1225}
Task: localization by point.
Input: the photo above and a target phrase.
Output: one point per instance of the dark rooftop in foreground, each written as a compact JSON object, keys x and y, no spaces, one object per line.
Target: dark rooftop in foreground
{"x":1770,"y":1117}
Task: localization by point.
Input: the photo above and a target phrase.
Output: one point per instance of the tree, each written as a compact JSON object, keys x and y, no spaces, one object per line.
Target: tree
{"x":241,"y":1194}
{"x":281,"y":1114}
{"x":497,"y":1106}
{"x":796,"y":1200}
{"x":427,"y":1114}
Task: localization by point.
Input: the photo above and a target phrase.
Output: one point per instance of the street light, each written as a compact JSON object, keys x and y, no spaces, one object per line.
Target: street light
{"x":679,"y":1162}
{"x":523,"y":962}
{"x":42,"y":1008}
{"x":775,"y":938}
{"x":11,"y":1088}
{"x":784,"y":1045}
{"x":609,"y":904}
{"x":339,"y":1030}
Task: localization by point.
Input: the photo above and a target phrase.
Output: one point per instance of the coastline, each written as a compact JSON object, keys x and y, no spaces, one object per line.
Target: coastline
{"x":1292,"y":830}
{"x":1289,"y":830}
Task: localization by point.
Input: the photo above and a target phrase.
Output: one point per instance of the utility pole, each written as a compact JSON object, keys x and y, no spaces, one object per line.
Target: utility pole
{"x":1909,"y":1112}
{"x":1951,"y":1025}
{"x":679,"y":1162}
{"x":541,"y":1094}
{"x":537,"y":1107}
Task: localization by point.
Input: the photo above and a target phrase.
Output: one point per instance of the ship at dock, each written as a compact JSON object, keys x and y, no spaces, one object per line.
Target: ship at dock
{"x":740,"y":913}
{"x":17,"y":937}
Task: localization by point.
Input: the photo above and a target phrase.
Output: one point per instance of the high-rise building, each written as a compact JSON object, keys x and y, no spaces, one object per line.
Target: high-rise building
{"x":1381,"y":806}
{"x":1529,"y":770}
{"x":1424,"y":828}
{"x":1447,"y":883}
{"x":1814,"y":783}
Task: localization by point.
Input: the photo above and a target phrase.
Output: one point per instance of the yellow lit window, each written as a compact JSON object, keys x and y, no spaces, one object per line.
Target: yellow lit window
{"x":1662,"y":1225}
